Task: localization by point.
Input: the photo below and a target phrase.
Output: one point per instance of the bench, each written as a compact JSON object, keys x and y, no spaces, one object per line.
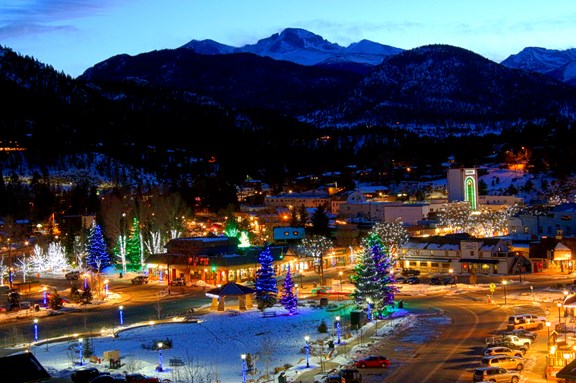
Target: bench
{"x":176,"y":362}
{"x":268,"y":314}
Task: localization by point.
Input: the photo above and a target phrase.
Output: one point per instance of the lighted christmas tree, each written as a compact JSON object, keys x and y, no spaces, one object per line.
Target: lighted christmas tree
{"x":266,"y":290}
{"x":134,"y":248}
{"x":97,"y":259}
{"x":288,"y":300}
{"x":373,"y":279}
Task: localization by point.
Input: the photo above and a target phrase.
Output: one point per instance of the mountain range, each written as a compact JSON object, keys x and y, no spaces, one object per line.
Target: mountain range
{"x":292,"y":104}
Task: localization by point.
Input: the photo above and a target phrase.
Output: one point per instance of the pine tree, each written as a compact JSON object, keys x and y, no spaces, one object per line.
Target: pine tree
{"x":97,"y":258}
{"x":320,"y":222}
{"x":55,"y":301}
{"x":373,"y":281}
{"x":288,"y":300}
{"x":266,"y":290}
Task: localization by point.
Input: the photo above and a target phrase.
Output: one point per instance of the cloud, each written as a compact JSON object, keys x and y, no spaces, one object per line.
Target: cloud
{"x":29,"y":17}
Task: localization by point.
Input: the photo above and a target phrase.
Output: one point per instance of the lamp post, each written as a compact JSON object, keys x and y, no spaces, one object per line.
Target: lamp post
{"x":85,"y":275}
{"x":10,"y":271}
{"x":120,"y":312}
{"x":106,"y":282}
{"x":44,"y":296}
{"x":35,"y":329}
{"x":307,"y":339}
{"x":548,"y":327}
{"x":504,"y":283}
{"x":340,"y":296}
{"x":338,"y":328}
{"x":243,"y":356}
{"x":81,"y":351}
{"x":559,"y":305}
{"x":160,"y":368}
{"x":296,"y":288}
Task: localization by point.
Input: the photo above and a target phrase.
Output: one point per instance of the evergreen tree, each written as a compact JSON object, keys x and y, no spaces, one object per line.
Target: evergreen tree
{"x":266,"y":290}
{"x":372,"y":280}
{"x":74,"y":294}
{"x":86,"y":296}
{"x":288,"y":300}
{"x":88,"y":348}
{"x":97,"y":258}
{"x":55,"y":301}
{"x":320,"y":221}
{"x":133,"y":248}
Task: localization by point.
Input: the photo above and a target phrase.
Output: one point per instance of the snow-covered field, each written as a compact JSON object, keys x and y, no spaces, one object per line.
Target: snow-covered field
{"x":213,"y":346}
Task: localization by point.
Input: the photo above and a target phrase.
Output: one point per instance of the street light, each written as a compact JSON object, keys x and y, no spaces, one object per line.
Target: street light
{"x":548,"y":327}
{"x":81,"y":351}
{"x":44,"y":296}
{"x":307,"y":339}
{"x":160,"y":368}
{"x":10,"y":271}
{"x":106,"y":281}
{"x":340,"y":296}
{"x":121,"y":315}
{"x":505,"y":291}
{"x":559,"y":305}
{"x":85,"y":275}
{"x":35,"y":329}
{"x":338,"y":328}
{"x":243,"y":356}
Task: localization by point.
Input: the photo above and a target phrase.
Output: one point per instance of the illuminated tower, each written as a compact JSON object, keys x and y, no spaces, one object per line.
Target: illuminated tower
{"x":463,"y":186}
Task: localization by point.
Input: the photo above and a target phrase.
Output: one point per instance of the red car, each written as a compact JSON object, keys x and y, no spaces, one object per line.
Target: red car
{"x":372,"y":361}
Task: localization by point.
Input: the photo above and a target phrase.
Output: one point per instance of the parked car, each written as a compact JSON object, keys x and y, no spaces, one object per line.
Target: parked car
{"x":502,"y":350}
{"x":72,"y":275}
{"x":400,"y":279}
{"x":451,"y":280}
{"x":504,"y":361}
{"x":523,"y":349}
{"x":347,"y":375}
{"x":178,"y":281}
{"x":495,"y":374}
{"x":524,"y":323}
{"x":140,"y":280}
{"x":350,"y":375}
{"x":372,"y":361}
{"x":522,"y":333}
{"x":84,"y":374}
{"x":409,"y":271}
{"x":107,"y":378}
{"x":139,"y":378}
{"x":435,"y":281}
{"x":412,"y":280}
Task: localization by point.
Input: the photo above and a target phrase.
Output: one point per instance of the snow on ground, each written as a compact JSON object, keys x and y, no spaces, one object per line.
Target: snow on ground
{"x":216,"y":342}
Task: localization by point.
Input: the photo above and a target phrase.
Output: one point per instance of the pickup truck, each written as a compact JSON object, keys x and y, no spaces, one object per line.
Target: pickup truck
{"x":514,"y":339}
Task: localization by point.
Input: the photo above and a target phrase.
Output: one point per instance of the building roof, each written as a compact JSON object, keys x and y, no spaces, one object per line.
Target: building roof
{"x":231,"y":289}
{"x":22,"y":368}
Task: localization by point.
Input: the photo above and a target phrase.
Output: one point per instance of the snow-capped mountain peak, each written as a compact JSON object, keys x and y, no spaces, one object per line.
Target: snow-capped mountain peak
{"x":303,"y":47}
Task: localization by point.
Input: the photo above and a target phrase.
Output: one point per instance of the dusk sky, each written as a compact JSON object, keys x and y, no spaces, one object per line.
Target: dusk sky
{"x":73,"y":35}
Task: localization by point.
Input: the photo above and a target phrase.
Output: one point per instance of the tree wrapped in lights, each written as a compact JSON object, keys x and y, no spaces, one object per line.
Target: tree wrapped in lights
{"x":265,"y":284}
{"x":97,"y":258}
{"x":455,"y":216}
{"x":315,"y":247}
{"x":391,"y":234}
{"x":288,"y":300}
{"x":134,"y":247}
{"x":373,"y":280}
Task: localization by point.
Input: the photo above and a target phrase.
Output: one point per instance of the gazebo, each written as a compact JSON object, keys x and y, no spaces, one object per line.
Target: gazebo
{"x":231,"y":289}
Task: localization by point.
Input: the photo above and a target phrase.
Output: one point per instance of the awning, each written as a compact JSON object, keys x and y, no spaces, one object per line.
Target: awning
{"x":475,"y":260}
{"x":426,"y":259}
